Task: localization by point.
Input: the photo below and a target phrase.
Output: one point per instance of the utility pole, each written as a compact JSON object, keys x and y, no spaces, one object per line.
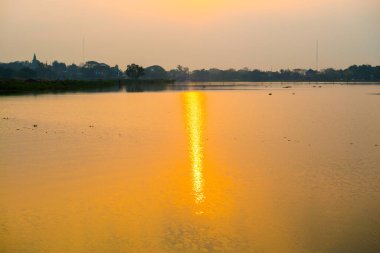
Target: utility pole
{"x":83,"y":51}
{"x":317,"y":56}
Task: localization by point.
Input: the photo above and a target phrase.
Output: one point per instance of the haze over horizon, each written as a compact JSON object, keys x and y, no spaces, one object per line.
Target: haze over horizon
{"x":197,"y":34}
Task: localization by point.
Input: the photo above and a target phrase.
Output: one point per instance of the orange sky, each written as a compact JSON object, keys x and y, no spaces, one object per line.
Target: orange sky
{"x":198,"y":34}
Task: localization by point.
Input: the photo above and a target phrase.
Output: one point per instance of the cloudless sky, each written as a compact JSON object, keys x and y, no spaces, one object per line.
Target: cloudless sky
{"x":269,"y":34}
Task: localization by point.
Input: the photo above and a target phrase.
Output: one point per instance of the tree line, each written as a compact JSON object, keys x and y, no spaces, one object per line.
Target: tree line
{"x":93,"y":70}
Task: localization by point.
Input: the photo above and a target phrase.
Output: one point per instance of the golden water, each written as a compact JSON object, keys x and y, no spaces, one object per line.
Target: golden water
{"x":198,"y":171}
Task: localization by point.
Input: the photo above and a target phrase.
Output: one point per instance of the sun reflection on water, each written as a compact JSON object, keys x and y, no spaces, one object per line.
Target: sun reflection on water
{"x":194,"y":112}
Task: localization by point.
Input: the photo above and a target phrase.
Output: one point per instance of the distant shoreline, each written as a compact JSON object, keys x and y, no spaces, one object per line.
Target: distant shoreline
{"x":93,"y":71}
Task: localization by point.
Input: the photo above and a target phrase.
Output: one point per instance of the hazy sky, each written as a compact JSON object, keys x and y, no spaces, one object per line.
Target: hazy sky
{"x":198,"y":34}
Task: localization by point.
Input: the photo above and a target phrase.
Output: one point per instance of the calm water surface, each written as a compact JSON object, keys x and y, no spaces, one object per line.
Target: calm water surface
{"x":192,"y":171}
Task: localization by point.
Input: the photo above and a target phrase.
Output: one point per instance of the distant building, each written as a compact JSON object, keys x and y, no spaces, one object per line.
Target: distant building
{"x":35,"y":63}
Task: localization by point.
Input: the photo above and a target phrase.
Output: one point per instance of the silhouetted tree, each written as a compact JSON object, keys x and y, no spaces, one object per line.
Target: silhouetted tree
{"x":200,"y":75}
{"x":155,"y":72}
{"x":26,"y":73}
{"x":134,"y":71}
{"x":180,"y":73}
{"x":59,"y":69}
{"x":116,"y":72}
{"x":6,"y":73}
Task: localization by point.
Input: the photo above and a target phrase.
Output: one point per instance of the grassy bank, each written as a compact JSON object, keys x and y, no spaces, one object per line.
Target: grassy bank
{"x":44,"y":86}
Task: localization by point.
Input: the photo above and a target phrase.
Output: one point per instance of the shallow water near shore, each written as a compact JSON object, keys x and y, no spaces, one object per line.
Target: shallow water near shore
{"x":203,"y":170}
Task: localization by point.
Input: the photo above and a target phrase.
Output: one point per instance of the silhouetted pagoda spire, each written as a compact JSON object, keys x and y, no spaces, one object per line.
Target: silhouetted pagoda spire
{"x":35,"y":62}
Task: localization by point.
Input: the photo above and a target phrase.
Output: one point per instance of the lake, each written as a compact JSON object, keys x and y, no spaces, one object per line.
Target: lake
{"x":230,"y":169}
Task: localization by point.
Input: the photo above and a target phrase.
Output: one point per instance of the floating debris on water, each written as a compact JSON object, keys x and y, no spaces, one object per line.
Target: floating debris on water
{"x":270,"y":94}
{"x":34,"y":125}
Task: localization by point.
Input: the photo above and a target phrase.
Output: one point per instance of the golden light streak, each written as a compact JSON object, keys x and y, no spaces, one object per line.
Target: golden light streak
{"x":194,"y":112}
